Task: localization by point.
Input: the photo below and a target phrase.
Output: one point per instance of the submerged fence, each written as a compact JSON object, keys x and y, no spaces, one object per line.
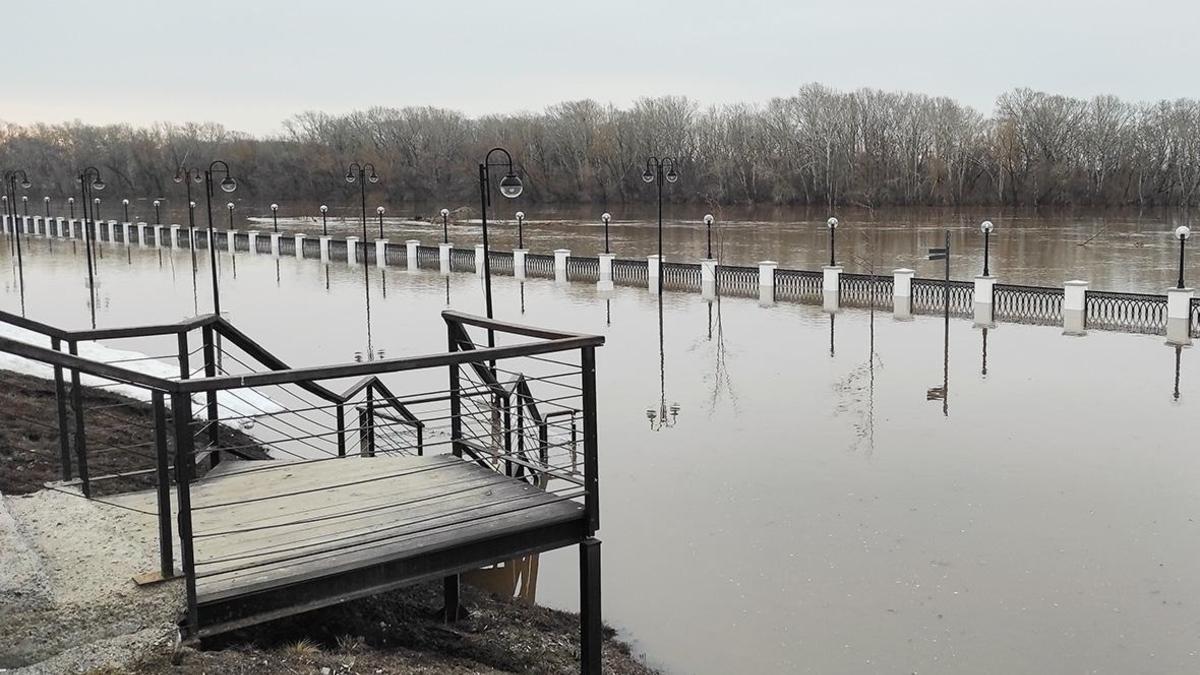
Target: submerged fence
{"x":1107,"y":310}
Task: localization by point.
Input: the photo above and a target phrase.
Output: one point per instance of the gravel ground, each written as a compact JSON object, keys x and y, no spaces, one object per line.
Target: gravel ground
{"x":66,"y":587}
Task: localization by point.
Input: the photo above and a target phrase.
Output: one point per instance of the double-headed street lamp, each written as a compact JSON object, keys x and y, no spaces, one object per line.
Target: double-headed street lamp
{"x":658,"y":170}
{"x":510,"y":186}
{"x":986,"y":228}
{"x":606,"y":217}
{"x":1182,"y":233}
{"x":10,"y":183}
{"x":89,"y":180}
{"x":520,"y":228}
{"x":445,"y":228}
{"x":324,"y":222}
{"x":832,"y":224}
{"x":187,"y":176}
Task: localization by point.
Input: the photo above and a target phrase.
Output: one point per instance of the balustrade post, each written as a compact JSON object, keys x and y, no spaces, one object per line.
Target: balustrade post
{"x":708,"y":278}
{"x":444,"y":250}
{"x":1179,"y":307}
{"x":174,"y":235}
{"x":606,"y":264}
{"x":231,"y":241}
{"x":80,"y":431}
{"x":252,"y":241}
{"x":1075,"y":307}
{"x":181,"y":414}
{"x":653,"y":271}
{"x":902,"y":294}
{"x":411,"y":250}
{"x":324,"y":243}
{"x":275,"y":243}
{"x":141,"y":230}
{"x":479,"y":259}
{"x":352,"y":250}
{"x":214,"y":416}
{"x":766,"y":282}
{"x":299,"y":246}
{"x":985,"y":287}
{"x":166,"y":554}
{"x":381,"y":254}
{"x":60,"y":401}
{"x":560,"y":264}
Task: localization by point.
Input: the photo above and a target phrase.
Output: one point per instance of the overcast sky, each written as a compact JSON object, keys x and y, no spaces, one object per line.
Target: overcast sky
{"x":252,"y":63}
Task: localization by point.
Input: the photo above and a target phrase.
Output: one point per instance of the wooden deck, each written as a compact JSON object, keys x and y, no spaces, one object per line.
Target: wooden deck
{"x":277,"y":538}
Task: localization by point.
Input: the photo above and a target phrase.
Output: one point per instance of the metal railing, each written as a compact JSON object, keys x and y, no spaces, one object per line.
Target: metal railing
{"x":929,"y":296}
{"x":1027,"y":304}
{"x":1134,"y":312}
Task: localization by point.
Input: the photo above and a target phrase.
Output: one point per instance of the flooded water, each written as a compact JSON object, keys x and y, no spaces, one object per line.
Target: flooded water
{"x":810,"y":509}
{"x":1114,"y":250}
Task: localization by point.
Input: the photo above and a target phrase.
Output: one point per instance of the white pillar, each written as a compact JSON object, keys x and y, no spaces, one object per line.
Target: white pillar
{"x":1179,"y":307}
{"x":125,"y":233}
{"x":252,"y":240}
{"x":275,"y":243}
{"x":299,"y":246}
{"x":4,"y":220}
{"x":26,"y":226}
{"x":141,"y":230}
{"x":444,"y":249}
{"x":381,"y":254}
{"x":352,"y":250}
{"x":902,"y":293}
{"x":984,"y":286}
{"x":59,"y":222}
{"x":560,"y":263}
{"x":1074,"y":307}
{"x":411,"y":261}
{"x":831,"y":284}
{"x":158,"y":242}
{"x":231,"y":240}
{"x":606,"y":260}
{"x":478,"y":258}
{"x":652,"y":271}
{"x":324,"y":242}
{"x":174,"y":235}
{"x":766,"y":282}
{"x":37,"y":224}
{"x":519,"y":262}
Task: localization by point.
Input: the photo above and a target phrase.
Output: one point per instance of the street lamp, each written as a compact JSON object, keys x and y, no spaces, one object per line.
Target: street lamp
{"x":708,"y":221}
{"x":89,"y":181}
{"x":986,"y":228}
{"x":357,"y":171}
{"x":187,"y":176}
{"x":125,"y":204}
{"x":157,"y":217}
{"x":606,"y":217}
{"x":832,"y":224}
{"x":656,"y":171}
{"x":274,"y":218}
{"x":25,"y":204}
{"x":228,"y":184}
{"x":445,"y":230}
{"x":10,"y":181}
{"x":46,"y":201}
{"x":1182,"y":233}
{"x":658,"y":418}
{"x":324,"y":222}
{"x":520,"y":229}
{"x":230,"y":207}
{"x":510,"y":188}
{"x":71,"y":206}
{"x":379,"y":210}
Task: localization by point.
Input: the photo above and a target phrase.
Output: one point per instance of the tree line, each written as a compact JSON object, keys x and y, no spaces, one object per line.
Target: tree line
{"x":819,"y":146}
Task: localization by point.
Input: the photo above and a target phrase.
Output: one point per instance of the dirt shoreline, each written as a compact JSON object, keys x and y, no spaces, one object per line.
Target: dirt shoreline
{"x":68,"y":603}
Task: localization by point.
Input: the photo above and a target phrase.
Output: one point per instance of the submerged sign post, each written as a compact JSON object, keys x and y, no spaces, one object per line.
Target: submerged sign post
{"x":941,"y":393}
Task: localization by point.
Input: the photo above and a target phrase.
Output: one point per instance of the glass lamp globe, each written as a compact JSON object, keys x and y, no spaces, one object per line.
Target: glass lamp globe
{"x":708,"y":219}
{"x":274,"y":207}
{"x":47,"y":199}
{"x":24,"y":198}
{"x":510,"y":186}
{"x":1183,"y":232}
{"x":156,"y":202}
{"x":650,"y":414}
{"x":986,"y":227}
{"x":198,"y":178}
{"x":373,"y":178}
{"x":520,"y":215}
{"x":228,"y":184}
{"x":26,"y":184}
{"x":832,"y":223}
{"x":445,"y":212}
{"x":647,"y":176}
{"x":672,"y":176}
{"x":125,"y":202}
{"x":70,"y":200}
{"x":379,"y":210}
{"x":324,"y":208}
{"x":350,"y":177}
{"x":229,"y":206}
{"x":178,"y":177}
{"x":606,"y":216}
{"x":192,"y":204}
{"x":95,"y":200}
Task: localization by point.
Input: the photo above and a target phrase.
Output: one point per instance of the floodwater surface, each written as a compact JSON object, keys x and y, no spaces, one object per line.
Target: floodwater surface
{"x":839,"y":493}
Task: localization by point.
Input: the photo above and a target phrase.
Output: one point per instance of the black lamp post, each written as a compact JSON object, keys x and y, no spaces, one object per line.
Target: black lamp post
{"x":187,"y":176}
{"x":71,"y":206}
{"x":46,"y":201}
{"x":125,"y":204}
{"x":445,"y":229}
{"x":832,"y":224}
{"x":986,"y":227}
{"x":379,"y":211}
{"x":89,"y":180}
{"x":510,"y":187}
{"x":25,"y":205}
{"x":274,"y":218}
{"x":520,"y":228}
{"x":228,"y":184}
{"x":230,"y":207}
{"x":157,"y":216}
{"x":324,"y":222}
{"x":1182,"y":233}
{"x":658,"y":170}
{"x":11,"y":183}
{"x":708,"y":221}
{"x":606,"y":217}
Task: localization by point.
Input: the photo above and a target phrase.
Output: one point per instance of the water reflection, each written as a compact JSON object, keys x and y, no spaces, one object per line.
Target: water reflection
{"x":983,"y":368}
{"x":658,"y":418}
{"x":1178,"y":358}
{"x":942,"y":393}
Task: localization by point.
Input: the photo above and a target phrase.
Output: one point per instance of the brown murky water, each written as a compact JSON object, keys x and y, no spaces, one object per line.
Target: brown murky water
{"x":810,"y":510}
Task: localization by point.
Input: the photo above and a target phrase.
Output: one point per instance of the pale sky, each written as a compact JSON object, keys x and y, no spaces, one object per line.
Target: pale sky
{"x":251,"y":64}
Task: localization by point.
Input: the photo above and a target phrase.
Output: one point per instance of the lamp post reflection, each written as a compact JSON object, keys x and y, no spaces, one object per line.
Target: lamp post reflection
{"x":662,"y":416}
